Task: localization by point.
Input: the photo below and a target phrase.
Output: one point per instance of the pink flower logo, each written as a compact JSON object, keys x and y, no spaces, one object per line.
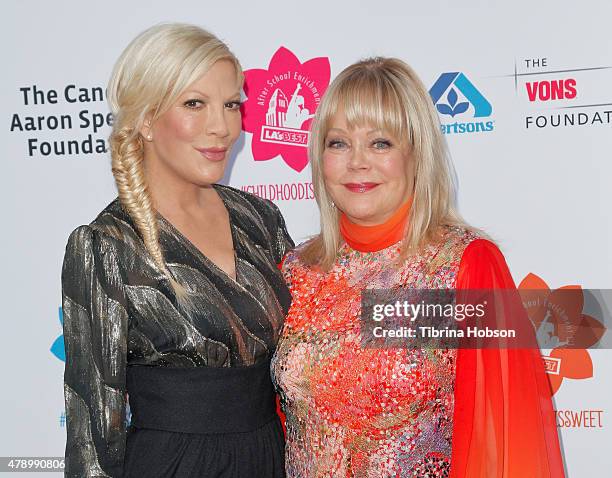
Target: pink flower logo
{"x":281,"y":103}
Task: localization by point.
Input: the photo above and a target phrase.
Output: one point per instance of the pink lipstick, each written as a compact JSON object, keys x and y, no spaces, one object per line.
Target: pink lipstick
{"x":213,"y":154}
{"x":360,"y":187}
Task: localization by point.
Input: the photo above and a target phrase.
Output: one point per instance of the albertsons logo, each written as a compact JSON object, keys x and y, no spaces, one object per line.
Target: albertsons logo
{"x":456,"y":97}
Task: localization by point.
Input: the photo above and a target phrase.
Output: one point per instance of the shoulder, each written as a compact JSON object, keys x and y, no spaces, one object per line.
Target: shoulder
{"x":251,"y":202}
{"x":80,"y":241}
{"x":293,"y":256}
{"x":113,"y":220}
{"x":292,"y":260}
{"x":113,"y":228}
{"x":450,"y":244}
{"x":483,"y":266}
{"x":460,"y":235}
{"x":446,"y":249}
{"x":259,"y":218}
{"x":482,"y":248}
{"x":483,"y":255}
{"x":97,"y":252}
{"x":471,"y":243}
{"x":111,"y":225}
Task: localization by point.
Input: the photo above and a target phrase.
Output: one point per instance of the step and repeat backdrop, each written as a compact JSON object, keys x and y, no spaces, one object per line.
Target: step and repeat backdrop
{"x":524,"y":93}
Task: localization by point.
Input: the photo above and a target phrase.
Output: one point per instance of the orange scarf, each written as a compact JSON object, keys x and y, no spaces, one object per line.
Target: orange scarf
{"x":377,"y":237}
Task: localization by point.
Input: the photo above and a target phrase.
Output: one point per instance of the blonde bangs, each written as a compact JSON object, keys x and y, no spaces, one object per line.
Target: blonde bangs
{"x":368,"y":100}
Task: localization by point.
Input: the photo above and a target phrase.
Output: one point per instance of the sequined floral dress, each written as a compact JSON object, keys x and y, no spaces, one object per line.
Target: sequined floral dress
{"x":378,"y":413}
{"x":127,"y":336}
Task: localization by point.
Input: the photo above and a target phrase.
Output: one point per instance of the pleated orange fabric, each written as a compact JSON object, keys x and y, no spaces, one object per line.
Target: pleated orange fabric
{"x":504,"y":424}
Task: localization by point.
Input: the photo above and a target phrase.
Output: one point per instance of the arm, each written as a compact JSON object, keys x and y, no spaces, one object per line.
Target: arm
{"x":504,"y":424}
{"x":95,"y":336}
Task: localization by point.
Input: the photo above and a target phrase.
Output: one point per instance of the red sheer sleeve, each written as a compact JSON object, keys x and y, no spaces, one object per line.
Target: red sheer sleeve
{"x":504,"y":424}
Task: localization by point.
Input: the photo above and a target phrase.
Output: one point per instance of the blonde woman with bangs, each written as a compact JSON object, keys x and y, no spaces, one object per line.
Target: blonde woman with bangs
{"x":384,"y":186}
{"x":172,"y":298}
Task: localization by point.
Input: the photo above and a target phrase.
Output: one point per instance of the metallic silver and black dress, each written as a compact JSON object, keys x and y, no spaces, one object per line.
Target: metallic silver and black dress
{"x":196,"y":378}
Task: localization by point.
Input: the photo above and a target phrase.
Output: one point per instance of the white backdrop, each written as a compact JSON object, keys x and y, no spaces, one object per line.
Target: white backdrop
{"x":542,"y":191}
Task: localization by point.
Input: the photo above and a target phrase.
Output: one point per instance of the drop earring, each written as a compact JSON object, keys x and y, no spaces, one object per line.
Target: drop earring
{"x":149,"y":136}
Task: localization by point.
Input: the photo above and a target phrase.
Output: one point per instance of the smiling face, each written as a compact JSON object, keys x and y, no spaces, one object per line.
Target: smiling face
{"x":367,"y":172}
{"x":192,"y":140}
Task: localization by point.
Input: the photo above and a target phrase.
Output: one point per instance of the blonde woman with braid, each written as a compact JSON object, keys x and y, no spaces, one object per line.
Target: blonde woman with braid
{"x":172,"y":298}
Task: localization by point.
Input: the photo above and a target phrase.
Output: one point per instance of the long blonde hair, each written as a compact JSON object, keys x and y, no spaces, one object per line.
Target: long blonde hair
{"x":149,"y":76}
{"x":385,"y":93}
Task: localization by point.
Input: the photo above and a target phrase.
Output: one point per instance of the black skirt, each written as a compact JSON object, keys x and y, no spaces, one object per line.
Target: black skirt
{"x":203,"y":422}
